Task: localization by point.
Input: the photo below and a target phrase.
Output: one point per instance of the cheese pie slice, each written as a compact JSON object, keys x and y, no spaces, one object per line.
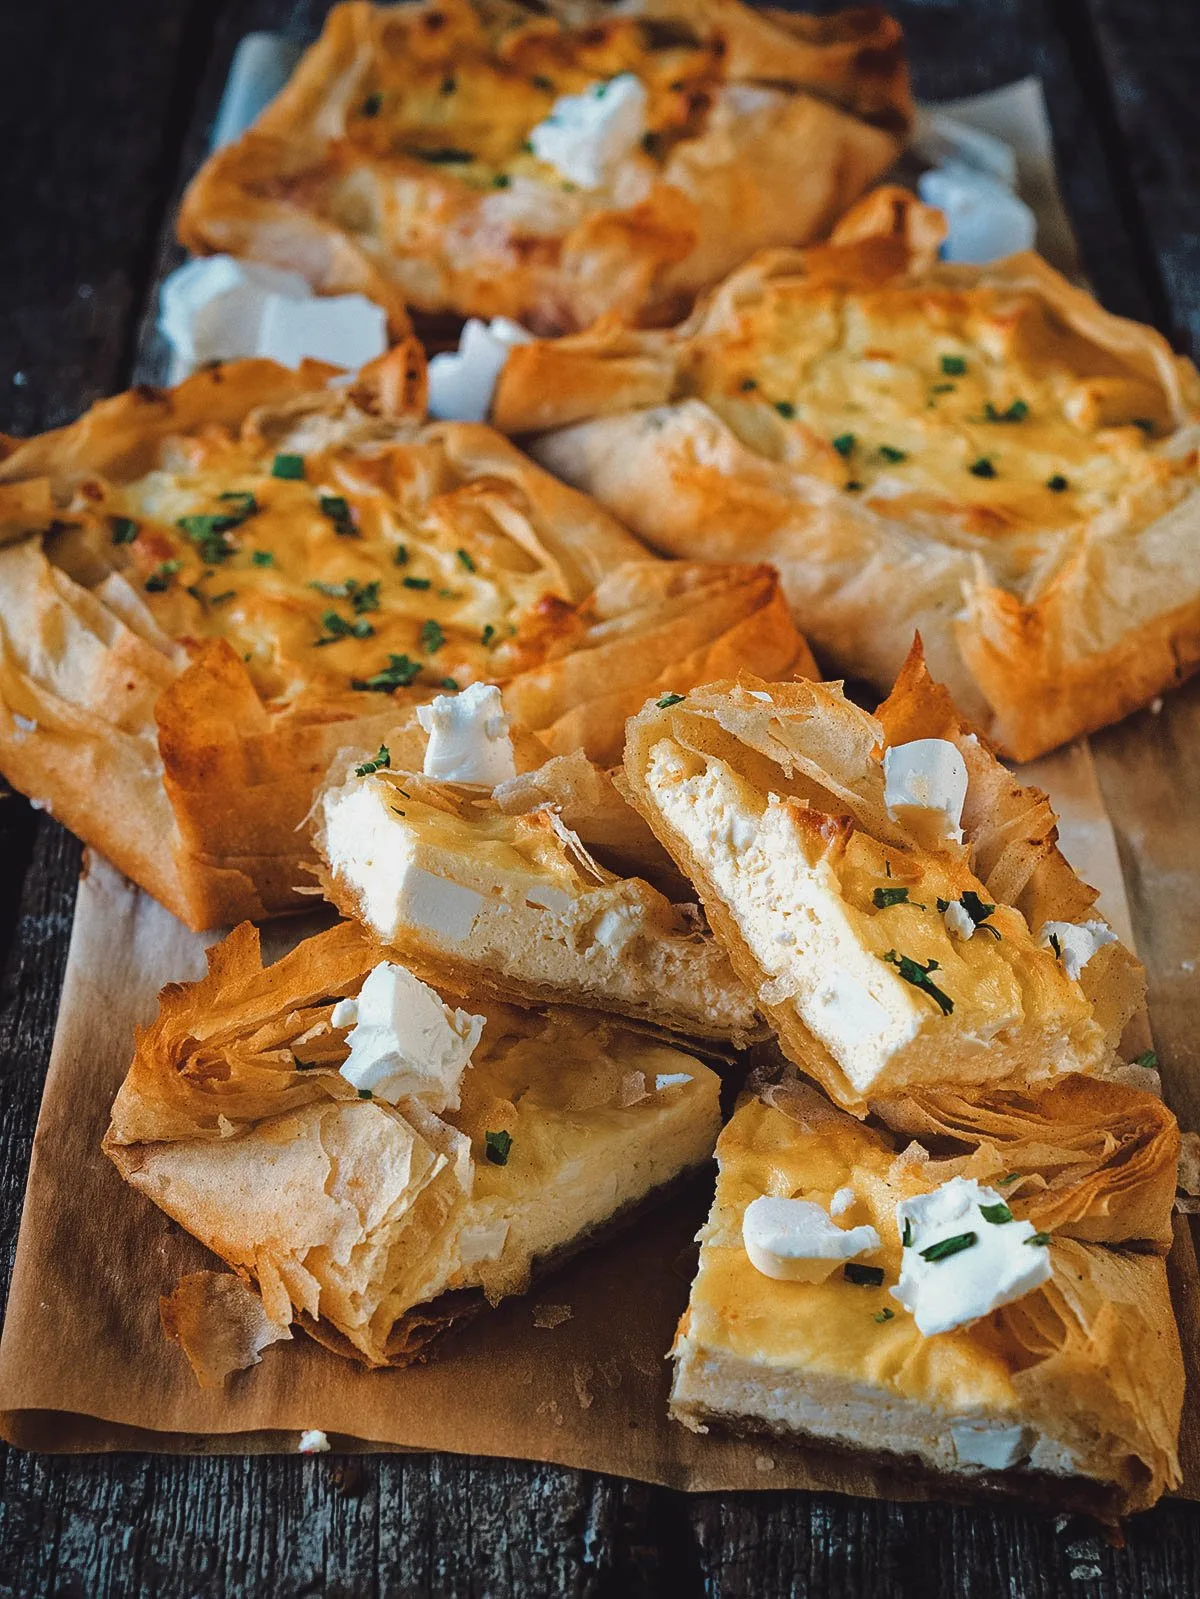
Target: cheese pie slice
{"x":477,"y":892}
{"x":207,"y":592}
{"x":995,"y":1313}
{"x":891,"y":895}
{"x":377,"y":1164}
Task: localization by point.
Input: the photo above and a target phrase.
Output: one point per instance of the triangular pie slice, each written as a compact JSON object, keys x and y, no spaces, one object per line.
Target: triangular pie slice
{"x":490,"y":1146}
{"x":892,"y":896}
{"x":1049,"y":1363}
{"x":504,"y":892}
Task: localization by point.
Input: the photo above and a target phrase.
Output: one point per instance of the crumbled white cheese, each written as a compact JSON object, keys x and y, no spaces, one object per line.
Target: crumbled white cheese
{"x":793,"y":1240}
{"x":405,"y":1043}
{"x":1077,"y":942}
{"x":842,"y":1201}
{"x":925,"y":787}
{"x":217,"y":308}
{"x":469,"y":740}
{"x":998,"y":1265}
{"x":587,"y":135}
{"x":463,"y":381}
{"x":313,"y":1442}
{"x":991,"y":1447}
{"x":484,"y":1240}
{"x":958,"y":922}
{"x":615,"y":927}
{"x":548,"y":898}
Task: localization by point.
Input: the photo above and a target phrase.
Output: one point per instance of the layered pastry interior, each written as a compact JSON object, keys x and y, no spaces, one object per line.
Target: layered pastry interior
{"x":488,"y":885}
{"x":896,"y":903}
{"x":380,"y":1164}
{"x":998,"y":1311}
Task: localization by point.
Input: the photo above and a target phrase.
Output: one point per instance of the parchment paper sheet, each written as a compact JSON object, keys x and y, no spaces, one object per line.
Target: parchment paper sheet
{"x":84,"y":1364}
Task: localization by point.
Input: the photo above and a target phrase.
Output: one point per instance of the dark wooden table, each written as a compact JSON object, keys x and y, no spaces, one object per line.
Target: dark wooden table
{"x":105,"y":110}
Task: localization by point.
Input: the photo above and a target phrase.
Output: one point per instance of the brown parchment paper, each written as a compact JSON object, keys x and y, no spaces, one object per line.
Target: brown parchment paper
{"x":84,"y":1364}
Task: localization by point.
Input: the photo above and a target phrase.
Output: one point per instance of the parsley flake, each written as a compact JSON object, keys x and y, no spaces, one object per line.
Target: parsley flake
{"x":336,"y":627}
{"x":1057,"y":484}
{"x":982,"y":468}
{"x":400,"y":558}
{"x":883,"y":1315}
{"x":450,"y":684}
{"x":263,"y":558}
{"x":890,"y":453}
{"x":953,"y":366}
{"x":1009,"y":1177}
{"x":883,"y":897}
{"x":1149,"y":1058}
{"x":996,"y":1214}
{"x":844,"y":444}
{"x":432,"y":637}
{"x":365,"y":1093}
{"x":913,"y":972}
{"x":1016,"y":412}
{"x":377,"y":762}
{"x":416,"y":582}
{"x":668,"y":700}
{"x":290,"y":467}
{"x":906,"y":1235}
{"x":160,"y":579}
{"x":465,"y":557}
{"x":334,"y":506}
{"x":124,"y":529}
{"x":786,"y":409}
{"x":497,"y":1146}
{"x":945,"y":1247}
{"x":1040,"y":1240}
{"x":400,"y":672}
{"x":863,"y":1276}
{"x":747,"y":385}
{"x":209,"y":533}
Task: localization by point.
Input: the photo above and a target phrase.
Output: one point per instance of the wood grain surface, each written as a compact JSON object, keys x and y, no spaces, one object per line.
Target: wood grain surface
{"x":105,"y":110}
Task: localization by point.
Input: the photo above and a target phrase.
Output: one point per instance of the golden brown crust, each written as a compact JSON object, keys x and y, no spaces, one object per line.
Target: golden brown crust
{"x":1050,"y":602}
{"x":185,"y":738}
{"x":330,"y":180}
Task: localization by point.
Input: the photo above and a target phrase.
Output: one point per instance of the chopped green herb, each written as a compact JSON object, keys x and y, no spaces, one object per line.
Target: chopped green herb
{"x":400,"y":558}
{"x":379,"y":761}
{"x":747,"y":384}
{"x":450,"y":684}
{"x":1057,"y":484}
{"x":209,"y":534}
{"x":541,"y":81}
{"x":913,"y":972}
{"x":883,"y":897}
{"x":497,"y":1146}
{"x":432,"y":637}
{"x":668,"y":700}
{"x":400,"y":672}
{"x":1055,"y":945}
{"x":1149,"y":1058}
{"x":982,"y":468}
{"x":943,"y":388}
{"x":466,"y":560}
{"x":1009,"y":1177}
{"x":124,"y":529}
{"x":288,"y":466}
{"x":160,"y":579}
{"x":449,"y":83}
{"x":336,"y":627}
{"x":945,"y":1247}
{"x":501,"y":180}
{"x":1145,"y":424}
{"x":996,"y":1214}
{"x":371,"y":105}
{"x":844,"y":444}
{"x":786,"y":409}
{"x":863,"y":1276}
{"x":652,"y":143}
{"x":364,"y":597}
{"x":416,"y":582}
{"x":890,"y":453}
{"x":953,"y":366}
{"x":365,"y":1093}
{"x":977,"y":909}
{"x":263,"y":558}
{"x":335,"y":508}
{"x":1016,"y":412}
{"x":488,"y":634}
{"x":241,"y":504}
{"x":1039,"y":1239}
{"x":853,"y":486}
{"x":220,"y":599}
{"x":906,"y":1235}
{"x":444,"y":156}
{"x":883,"y":1315}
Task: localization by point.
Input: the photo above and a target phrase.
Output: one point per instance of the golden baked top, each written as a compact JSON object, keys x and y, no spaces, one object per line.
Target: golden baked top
{"x":404,"y":157}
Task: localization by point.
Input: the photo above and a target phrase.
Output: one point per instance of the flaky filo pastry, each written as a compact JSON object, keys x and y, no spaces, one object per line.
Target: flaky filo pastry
{"x":376,"y":1225}
{"x":207,"y":592}
{"x":1070,"y":1392}
{"x":978,"y":453}
{"x":398,"y":161}
{"x":840,"y":917}
{"x":497,"y":891}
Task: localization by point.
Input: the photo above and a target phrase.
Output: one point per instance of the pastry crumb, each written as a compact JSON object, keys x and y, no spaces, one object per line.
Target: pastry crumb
{"x":764,"y":1463}
{"x":551,"y":1315}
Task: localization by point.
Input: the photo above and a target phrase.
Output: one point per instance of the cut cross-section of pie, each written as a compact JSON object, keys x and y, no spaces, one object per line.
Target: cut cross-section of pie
{"x":549,"y":164}
{"x":891,"y":895}
{"x":998,"y":1312}
{"x":378,"y":1164}
{"x":481,"y":889}
{"x":978,"y":453}
{"x":207,"y":592}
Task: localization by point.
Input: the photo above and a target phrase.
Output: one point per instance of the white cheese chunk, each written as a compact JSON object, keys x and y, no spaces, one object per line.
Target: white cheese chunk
{"x":985,"y":220}
{"x":469,"y":740}
{"x":313,"y":1442}
{"x":842,"y":1201}
{"x":220,"y":309}
{"x":1077,"y":942}
{"x":991,"y":1447}
{"x":587,"y":135}
{"x":999,"y":1265}
{"x":670,"y":1080}
{"x":405,"y":1043}
{"x":958,"y":922}
{"x":793,"y":1240}
{"x":925,"y":787}
{"x":463,"y":381}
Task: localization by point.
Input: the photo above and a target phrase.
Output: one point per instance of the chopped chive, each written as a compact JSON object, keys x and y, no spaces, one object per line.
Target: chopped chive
{"x":497,"y":1146}
{"x":416,"y":582}
{"x":432,"y":637}
{"x":668,"y":700}
{"x":488,"y":634}
{"x":220,"y":599}
{"x":844,"y":444}
{"x":883,"y":897}
{"x":996,"y":1214}
{"x":444,"y":156}
{"x":400,"y":558}
{"x":263,"y":558}
{"x":288,"y":466}
{"x":906,"y":1235}
{"x":466,"y":560}
{"x":334,"y":506}
{"x":982,"y":468}
{"x":160,"y":579}
{"x":863,"y":1276}
{"x":124,"y":529}
{"x":382,"y":759}
{"x":945,"y":1247}
{"x":365,"y":1093}
{"x":890,"y":453}
{"x":953,"y":366}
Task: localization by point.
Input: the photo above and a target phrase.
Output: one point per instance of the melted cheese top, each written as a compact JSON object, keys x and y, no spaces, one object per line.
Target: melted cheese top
{"x":447,"y":89}
{"x":358,"y":570}
{"x":978,"y":418}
